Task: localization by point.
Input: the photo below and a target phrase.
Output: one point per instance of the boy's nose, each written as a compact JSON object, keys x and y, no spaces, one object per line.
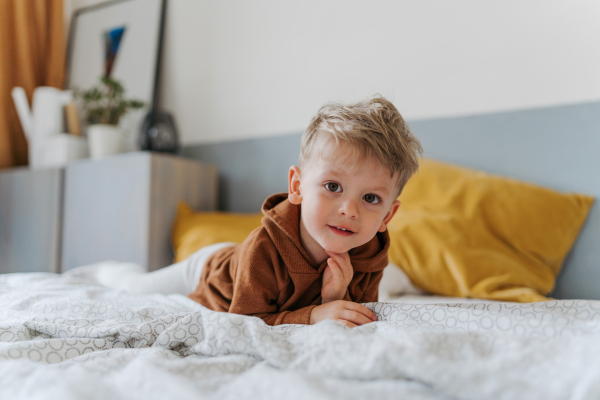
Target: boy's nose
{"x":349,"y":209}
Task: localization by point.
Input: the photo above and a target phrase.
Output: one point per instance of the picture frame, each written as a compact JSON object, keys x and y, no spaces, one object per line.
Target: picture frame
{"x":121,"y":38}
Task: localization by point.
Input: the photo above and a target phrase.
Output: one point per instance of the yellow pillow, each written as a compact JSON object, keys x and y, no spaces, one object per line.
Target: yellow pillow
{"x":193,"y":230}
{"x":465,"y":233}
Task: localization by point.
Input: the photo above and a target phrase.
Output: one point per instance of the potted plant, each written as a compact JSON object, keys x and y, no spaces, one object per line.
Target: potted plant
{"x":103,"y":107}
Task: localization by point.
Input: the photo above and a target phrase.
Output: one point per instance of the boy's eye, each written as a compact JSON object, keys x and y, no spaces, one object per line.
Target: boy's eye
{"x":333,"y":187}
{"x":371,"y":198}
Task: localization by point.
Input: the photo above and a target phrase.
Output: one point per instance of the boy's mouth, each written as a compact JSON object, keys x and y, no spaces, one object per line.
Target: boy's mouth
{"x":340,"y":230}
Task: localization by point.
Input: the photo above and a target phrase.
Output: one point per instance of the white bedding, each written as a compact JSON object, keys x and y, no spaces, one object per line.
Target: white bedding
{"x":66,"y":339}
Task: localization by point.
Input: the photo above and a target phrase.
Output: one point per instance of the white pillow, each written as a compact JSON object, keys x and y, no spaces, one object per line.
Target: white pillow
{"x":396,"y":283}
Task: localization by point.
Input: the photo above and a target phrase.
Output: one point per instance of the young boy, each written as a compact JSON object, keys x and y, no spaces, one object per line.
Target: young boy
{"x":322,"y":246}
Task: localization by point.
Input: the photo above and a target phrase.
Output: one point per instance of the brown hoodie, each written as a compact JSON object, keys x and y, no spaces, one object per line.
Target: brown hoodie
{"x":272,"y":277}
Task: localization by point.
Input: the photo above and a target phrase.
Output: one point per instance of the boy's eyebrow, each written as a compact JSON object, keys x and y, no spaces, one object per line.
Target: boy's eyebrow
{"x":381,"y":189}
{"x":338,"y":171}
{"x":343,"y":172}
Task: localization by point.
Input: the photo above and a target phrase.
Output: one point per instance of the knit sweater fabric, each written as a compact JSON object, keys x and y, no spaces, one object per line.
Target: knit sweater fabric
{"x":271,"y":276}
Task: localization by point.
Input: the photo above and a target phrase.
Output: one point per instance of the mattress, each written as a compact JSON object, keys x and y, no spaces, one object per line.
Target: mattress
{"x":62,"y":337}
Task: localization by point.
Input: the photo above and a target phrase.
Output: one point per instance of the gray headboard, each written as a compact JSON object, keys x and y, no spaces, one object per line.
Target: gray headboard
{"x":558,"y":147}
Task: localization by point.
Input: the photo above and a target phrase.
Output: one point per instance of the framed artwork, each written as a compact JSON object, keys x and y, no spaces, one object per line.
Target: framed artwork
{"x":121,"y":39}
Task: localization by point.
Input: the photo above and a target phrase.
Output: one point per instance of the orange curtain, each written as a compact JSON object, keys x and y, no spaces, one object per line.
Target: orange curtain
{"x":32,"y":53}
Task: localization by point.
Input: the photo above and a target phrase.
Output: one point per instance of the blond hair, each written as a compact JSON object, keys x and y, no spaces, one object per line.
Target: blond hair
{"x":374,"y":128}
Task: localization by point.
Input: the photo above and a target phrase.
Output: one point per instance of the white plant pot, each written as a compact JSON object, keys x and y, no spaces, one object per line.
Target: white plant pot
{"x":105,"y":140}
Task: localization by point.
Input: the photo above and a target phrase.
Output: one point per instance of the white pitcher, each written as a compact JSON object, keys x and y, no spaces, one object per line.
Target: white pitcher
{"x":44,"y":119}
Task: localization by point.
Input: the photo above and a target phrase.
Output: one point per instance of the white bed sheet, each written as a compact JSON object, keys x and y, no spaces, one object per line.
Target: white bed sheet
{"x":64,"y":338}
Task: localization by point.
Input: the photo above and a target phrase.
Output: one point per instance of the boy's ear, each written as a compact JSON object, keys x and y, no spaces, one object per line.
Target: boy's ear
{"x":294,"y":195}
{"x":390,"y":214}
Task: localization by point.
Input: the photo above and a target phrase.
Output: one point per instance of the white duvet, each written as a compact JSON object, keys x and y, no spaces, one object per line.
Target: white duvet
{"x":62,"y":338}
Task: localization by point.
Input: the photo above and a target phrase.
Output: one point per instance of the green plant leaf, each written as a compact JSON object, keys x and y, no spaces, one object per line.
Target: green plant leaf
{"x":105,"y":103}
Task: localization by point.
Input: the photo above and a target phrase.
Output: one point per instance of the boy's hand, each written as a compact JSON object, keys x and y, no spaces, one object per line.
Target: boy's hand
{"x":336,"y":277}
{"x":346,"y":312}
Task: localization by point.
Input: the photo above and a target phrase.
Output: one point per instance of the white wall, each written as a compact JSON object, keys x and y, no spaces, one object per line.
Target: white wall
{"x":246,"y":68}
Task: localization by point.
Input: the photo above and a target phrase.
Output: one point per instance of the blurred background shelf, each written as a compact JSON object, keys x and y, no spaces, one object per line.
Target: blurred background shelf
{"x":119,"y":208}
{"x":30,"y":219}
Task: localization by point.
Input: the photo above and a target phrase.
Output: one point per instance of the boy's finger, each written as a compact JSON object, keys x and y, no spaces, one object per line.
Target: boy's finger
{"x":361,"y":309}
{"x":346,"y":270}
{"x":356,"y":317}
{"x":347,"y":323}
{"x":333,"y":256}
{"x":335,"y":269}
{"x":339,"y":257}
{"x":343,"y":262}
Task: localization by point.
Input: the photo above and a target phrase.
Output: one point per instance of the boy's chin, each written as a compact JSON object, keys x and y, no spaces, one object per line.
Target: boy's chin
{"x":339,"y":249}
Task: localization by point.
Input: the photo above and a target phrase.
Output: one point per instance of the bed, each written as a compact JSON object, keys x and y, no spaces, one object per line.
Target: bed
{"x":64,"y":337}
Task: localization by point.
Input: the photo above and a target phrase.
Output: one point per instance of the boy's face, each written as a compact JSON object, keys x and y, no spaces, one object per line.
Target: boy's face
{"x":341,"y":207}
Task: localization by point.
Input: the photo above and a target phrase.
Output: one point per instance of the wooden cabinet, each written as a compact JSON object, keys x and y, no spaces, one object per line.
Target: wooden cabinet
{"x":120,"y":208}
{"x":30,"y":219}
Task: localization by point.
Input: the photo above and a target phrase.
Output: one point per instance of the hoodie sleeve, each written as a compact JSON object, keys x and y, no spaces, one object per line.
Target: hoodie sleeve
{"x":257,"y":285}
{"x":301,"y":316}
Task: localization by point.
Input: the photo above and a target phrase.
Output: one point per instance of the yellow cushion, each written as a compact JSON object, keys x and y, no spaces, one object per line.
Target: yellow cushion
{"x":465,"y":233}
{"x":193,"y":230}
